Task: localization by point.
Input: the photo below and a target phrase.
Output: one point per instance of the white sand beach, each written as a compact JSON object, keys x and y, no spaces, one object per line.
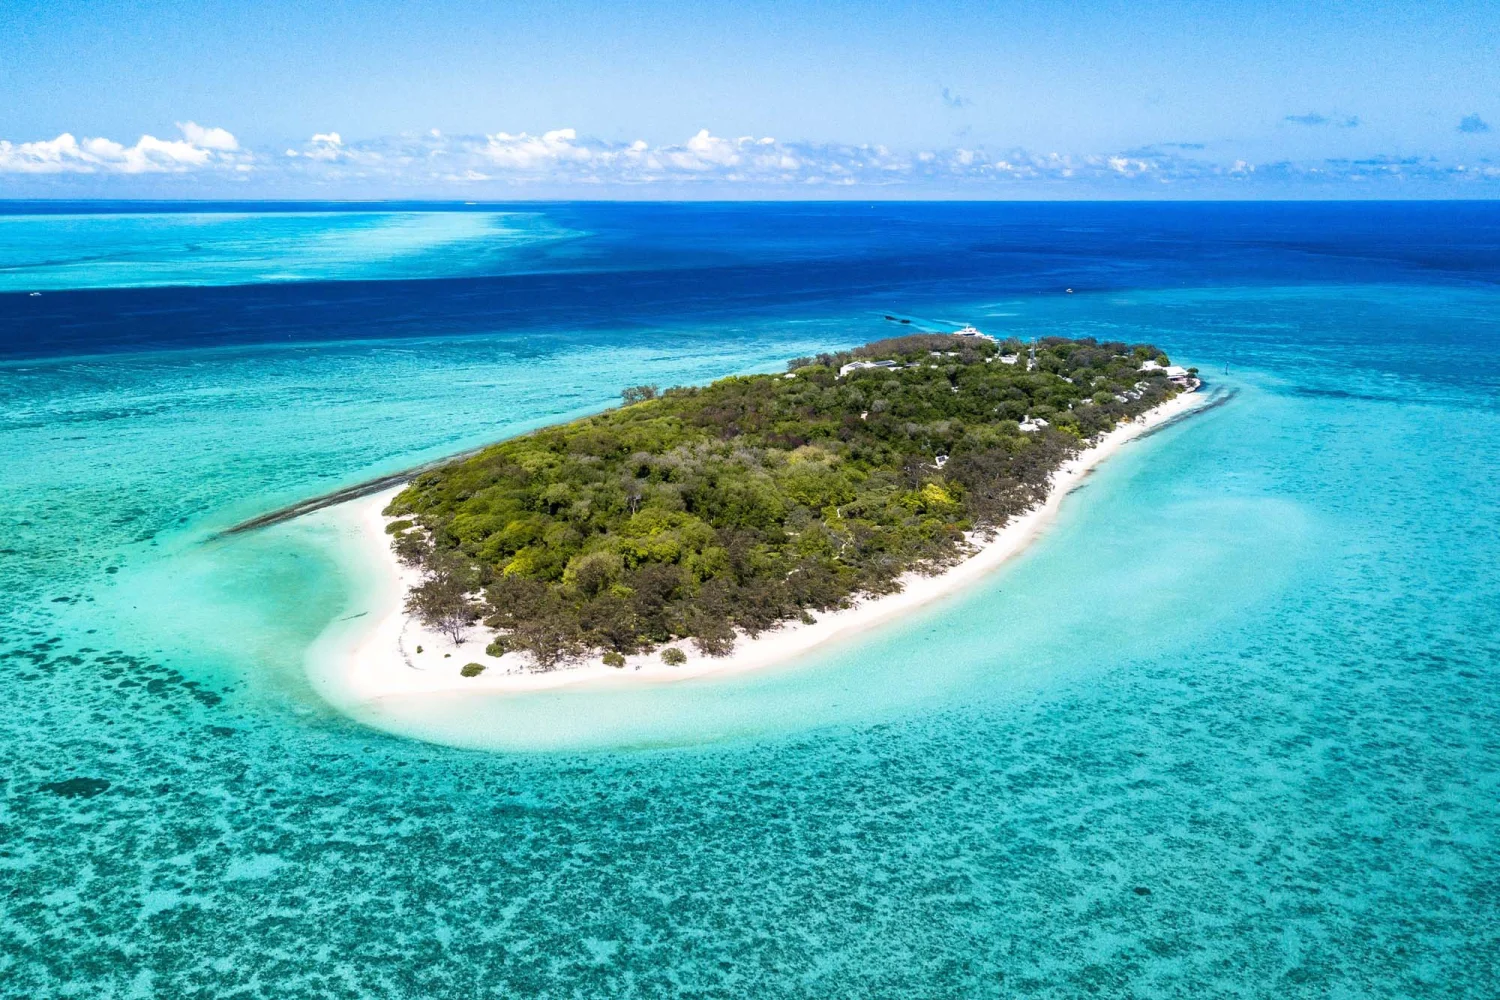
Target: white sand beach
{"x":377,"y":652}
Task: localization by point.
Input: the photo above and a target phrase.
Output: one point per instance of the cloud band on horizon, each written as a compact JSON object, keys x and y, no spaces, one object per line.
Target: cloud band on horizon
{"x":562,"y":158}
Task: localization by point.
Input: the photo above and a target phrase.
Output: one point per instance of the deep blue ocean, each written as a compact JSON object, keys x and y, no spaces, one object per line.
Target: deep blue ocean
{"x":1230,"y":728}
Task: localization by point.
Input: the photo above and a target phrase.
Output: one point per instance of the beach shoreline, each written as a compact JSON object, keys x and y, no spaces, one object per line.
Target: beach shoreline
{"x":377,"y":652}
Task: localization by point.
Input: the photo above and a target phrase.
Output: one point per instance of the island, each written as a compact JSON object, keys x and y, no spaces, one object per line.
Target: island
{"x":688,"y":523}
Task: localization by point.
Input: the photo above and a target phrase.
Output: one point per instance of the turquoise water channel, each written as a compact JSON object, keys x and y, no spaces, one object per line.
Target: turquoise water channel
{"x":1229,"y":728}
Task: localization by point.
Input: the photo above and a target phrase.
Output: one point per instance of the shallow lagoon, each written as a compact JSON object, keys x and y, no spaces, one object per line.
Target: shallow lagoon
{"x":1228,"y":728}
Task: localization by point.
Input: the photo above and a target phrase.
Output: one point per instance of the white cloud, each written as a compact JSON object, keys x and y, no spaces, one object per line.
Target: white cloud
{"x":530,"y":153}
{"x":198,"y":148}
{"x":208,"y":138}
{"x":705,"y":151}
{"x":555,"y":161}
{"x":322,"y":146}
{"x":1128,"y":166}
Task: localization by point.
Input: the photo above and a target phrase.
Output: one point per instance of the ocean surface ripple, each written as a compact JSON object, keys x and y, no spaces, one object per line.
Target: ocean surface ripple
{"x":1229,"y":729}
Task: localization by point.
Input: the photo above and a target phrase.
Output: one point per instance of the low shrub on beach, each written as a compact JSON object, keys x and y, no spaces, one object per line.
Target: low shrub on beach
{"x":472,"y":669}
{"x":700,"y":514}
{"x":496,"y":647}
{"x":613,"y":659}
{"x":673,"y":657}
{"x":412,"y":548}
{"x":441,"y":601}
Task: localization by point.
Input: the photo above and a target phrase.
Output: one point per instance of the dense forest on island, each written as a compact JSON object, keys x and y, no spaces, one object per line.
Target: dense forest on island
{"x":701,"y":513}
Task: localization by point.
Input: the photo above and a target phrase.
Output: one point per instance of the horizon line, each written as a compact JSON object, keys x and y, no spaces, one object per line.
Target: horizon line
{"x":489,"y":203}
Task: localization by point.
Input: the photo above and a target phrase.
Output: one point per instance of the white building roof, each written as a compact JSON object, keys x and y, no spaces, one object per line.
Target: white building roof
{"x":855,"y":366}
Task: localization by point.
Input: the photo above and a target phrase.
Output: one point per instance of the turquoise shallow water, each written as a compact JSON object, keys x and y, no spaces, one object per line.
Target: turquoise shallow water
{"x":132,"y":249}
{"x":1228,"y":729}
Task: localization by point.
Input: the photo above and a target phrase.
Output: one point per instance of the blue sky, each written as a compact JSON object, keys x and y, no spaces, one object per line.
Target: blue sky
{"x":368,"y":98}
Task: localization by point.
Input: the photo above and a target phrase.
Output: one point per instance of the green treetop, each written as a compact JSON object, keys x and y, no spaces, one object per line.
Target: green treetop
{"x":698,"y":513}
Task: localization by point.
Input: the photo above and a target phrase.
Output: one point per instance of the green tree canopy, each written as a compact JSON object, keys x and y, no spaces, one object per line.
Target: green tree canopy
{"x":699,"y":513}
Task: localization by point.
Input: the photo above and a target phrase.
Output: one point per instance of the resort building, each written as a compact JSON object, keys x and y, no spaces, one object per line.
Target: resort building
{"x":1179,"y":375}
{"x":1176,"y":374}
{"x":855,"y":366}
